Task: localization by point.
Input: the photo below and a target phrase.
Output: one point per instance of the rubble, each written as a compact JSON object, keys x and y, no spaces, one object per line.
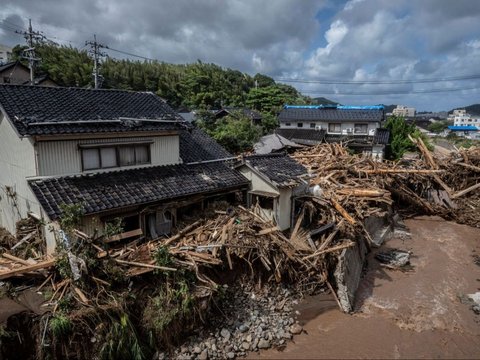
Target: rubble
{"x":394,"y":258}
{"x":235,"y":264}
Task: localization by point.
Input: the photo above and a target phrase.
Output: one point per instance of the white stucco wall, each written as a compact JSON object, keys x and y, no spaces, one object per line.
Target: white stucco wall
{"x":17,"y":162}
{"x":257,"y":183}
{"x":282,"y":204}
{"x":344,"y":126}
{"x":64,"y":157}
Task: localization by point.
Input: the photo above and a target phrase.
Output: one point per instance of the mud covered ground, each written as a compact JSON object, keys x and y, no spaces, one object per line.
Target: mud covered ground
{"x":421,"y":313}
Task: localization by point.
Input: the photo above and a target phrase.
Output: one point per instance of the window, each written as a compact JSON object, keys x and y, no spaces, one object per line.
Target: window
{"x":299,"y":124}
{"x":361,"y":128}
{"x":334,"y":128}
{"x":114,"y":156}
{"x":288,"y":124}
{"x":264,"y":202}
{"x":312,"y":125}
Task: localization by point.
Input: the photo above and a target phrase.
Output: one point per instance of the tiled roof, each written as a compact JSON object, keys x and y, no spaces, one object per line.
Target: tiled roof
{"x":117,"y":189}
{"x":281,"y":169}
{"x":195,"y":146}
{"x":9,"y":65}
{"x":273,"y":142}
{"x":381,"y":136}
{"x":33,"y":109}
{"x":332,"y":115}
{"x":302,"y":136}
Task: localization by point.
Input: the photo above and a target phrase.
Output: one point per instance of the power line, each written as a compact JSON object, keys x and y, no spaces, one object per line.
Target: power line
{"x":95,"y":51}
{"x":364,"y":82}
{"x":130,"y":54}
{"x":393,"y":92}
{"x":31,"y":37}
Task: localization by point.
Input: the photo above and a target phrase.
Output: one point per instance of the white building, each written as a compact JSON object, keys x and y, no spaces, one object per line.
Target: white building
{"x":5,"y":54}
{"x":402,"y":110}
{"x":460,"y":117}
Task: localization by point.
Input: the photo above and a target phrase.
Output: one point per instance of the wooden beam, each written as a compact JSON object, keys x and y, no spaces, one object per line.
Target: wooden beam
{"x":468,"y":166}
{"x":400,"y":171}
{"x":150,"y":266}
{"x":125,"y":235}
{"x":268,"y":231}
{"x":342,"y":211}
{"x":466,"y":191}
{"x":16,"y":259}
{"x":26,"y":269}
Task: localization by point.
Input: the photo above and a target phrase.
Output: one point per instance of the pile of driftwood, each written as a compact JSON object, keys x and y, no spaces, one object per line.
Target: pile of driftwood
{"x":355,"y":184}
{"x":239,"y":240}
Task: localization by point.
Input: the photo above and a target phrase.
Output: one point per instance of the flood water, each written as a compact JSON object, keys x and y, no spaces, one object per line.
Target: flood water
{"x":401,"y":315}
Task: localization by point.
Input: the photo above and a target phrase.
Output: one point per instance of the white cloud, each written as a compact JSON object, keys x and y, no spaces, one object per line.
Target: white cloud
{"x":365,"y":40}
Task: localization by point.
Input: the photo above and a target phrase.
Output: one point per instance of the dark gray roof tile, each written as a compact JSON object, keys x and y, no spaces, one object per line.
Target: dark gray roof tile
{"x":195,"y":146}
{"x":281,"y":169}
{"x":30,"y":107}
{"x":331,"y":115}
{"x":106,"y":191}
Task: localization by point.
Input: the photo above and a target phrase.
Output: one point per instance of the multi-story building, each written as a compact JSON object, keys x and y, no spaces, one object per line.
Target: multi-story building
{"x":404,"y":111}
{"x":460,"y":117}
{"x":313,"y":124}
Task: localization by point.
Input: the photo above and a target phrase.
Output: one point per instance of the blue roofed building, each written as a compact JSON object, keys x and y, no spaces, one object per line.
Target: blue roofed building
{"x":359,"y":126}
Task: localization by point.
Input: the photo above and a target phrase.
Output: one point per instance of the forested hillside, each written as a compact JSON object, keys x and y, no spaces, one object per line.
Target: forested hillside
{"x":191,"y":86}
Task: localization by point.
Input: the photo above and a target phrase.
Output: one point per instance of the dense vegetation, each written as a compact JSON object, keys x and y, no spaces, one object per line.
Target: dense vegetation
{"x":191,"y":86}
{"x":196,"y":86}
{"x":399,"y":140}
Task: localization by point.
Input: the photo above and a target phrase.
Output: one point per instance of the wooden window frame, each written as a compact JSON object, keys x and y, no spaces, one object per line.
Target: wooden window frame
{"x":334,"y":125}
{"x":97,"y":147}
{"x":360,"y":132}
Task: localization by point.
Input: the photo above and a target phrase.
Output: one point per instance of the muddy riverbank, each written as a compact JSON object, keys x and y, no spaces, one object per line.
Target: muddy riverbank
{"x":421,"y":313}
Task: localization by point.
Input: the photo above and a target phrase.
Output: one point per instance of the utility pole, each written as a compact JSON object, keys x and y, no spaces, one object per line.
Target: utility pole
{"x":29,"y":54}
{"x":95,"y":51}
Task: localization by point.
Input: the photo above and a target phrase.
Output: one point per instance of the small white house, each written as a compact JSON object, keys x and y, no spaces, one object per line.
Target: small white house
{"x":276,"y":179}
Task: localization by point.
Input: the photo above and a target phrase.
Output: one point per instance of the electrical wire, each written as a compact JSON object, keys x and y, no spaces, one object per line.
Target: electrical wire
{"x":393,"y":92}
{"x":364,"y":82}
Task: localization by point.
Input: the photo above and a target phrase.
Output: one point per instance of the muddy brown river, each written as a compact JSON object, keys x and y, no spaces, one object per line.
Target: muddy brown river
{"x":401,"y":315}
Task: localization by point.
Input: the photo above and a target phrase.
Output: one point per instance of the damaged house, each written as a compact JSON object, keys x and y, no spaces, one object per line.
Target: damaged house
{"x":276,"y":180}
{"x":123,"y":155}
{"x":119,"y":154}
{"x":360,"y":127}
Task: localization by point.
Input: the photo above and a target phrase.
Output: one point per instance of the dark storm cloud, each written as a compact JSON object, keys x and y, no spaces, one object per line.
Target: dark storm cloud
{"x":364,"y":40}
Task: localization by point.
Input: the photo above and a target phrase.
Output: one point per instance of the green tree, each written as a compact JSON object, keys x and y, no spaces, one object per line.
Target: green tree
{"x":236,"y":133}
{"x":399,"y":141}
{"x":438,"y":126}
{"x":269,"y":123}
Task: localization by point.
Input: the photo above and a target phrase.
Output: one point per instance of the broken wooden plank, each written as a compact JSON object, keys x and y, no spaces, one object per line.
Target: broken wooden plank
{"x":268,"y":230}
{"x":182,"y":232}
{"x":400,"y":171}
{"x":125,"y":235}
{"x":17,"y":259}
{"x":297,"y":225}
{"x":24,"y":239}
{"x":342,"y":211}
{"x":332,"y":249}
{"x":465,"y":191}
{"x":43,"y":284}
{"x":26,"y":269}
{"x":139,"y":264}
{"x":468,"y":166}
{"x":322,"y":229}
{"x":362,"y":192}
{"x":81,"y":295}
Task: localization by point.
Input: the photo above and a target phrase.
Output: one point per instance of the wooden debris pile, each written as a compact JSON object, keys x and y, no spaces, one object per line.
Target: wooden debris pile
{"x":356,"y":186}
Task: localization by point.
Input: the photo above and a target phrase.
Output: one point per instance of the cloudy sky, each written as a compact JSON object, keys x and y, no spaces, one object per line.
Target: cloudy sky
{"x":354,"y":52}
